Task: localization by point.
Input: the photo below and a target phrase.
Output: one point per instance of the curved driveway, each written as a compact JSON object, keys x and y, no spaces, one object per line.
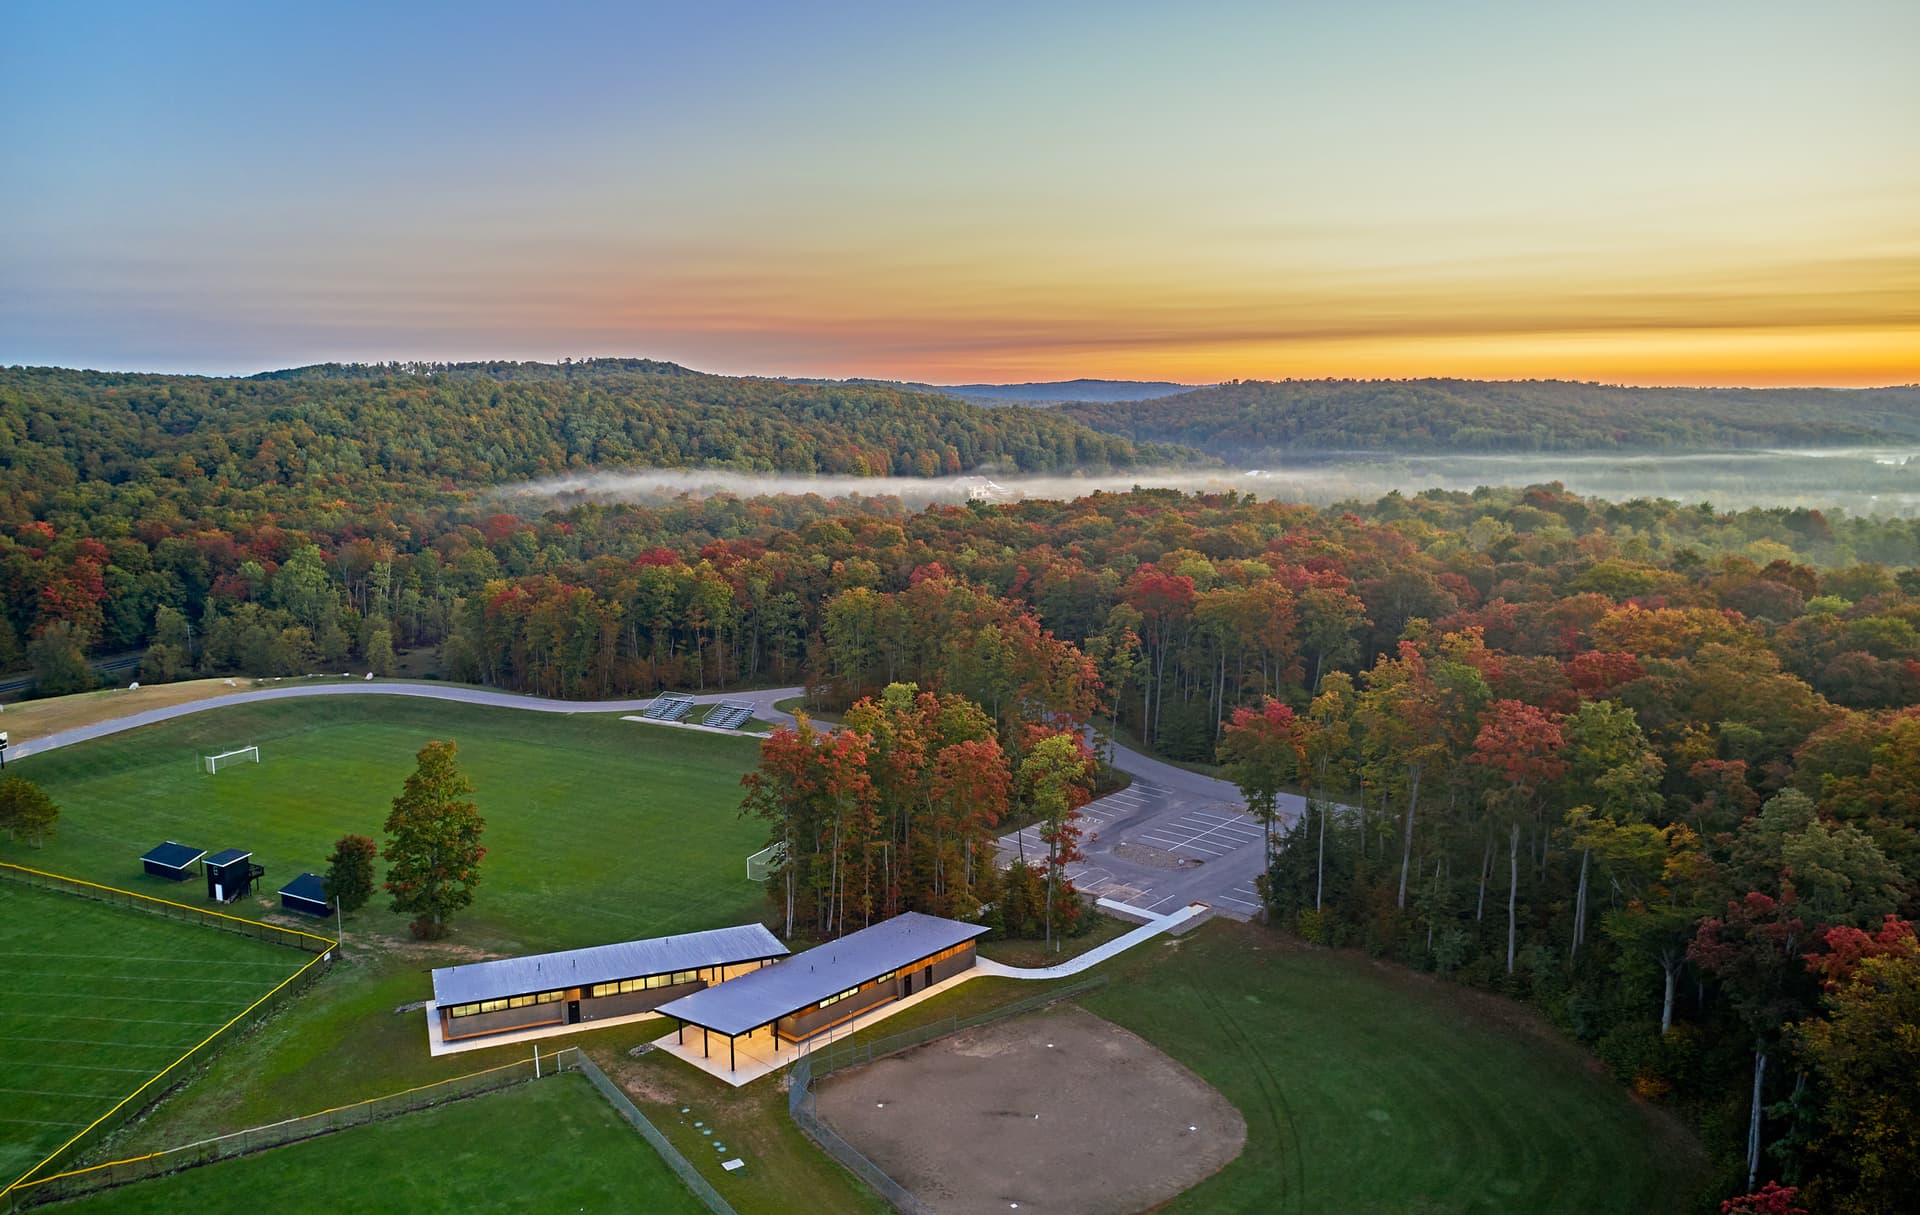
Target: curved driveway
{"x":1170,"y":838}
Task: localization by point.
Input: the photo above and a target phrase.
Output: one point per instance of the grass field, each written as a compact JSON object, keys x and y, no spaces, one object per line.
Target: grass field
{"x":95,"y":1000}
{"x":553,"y":1145}
{"x":597,"y":829}
{"x":1370,"y":1089}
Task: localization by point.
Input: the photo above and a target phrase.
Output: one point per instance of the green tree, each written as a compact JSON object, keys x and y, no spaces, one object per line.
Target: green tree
{"x":349,"y":878}
{"x":1056,"y":773}
{"x":433,"y":842}
{"x":59,"y":661}
{"x":26,"y":810}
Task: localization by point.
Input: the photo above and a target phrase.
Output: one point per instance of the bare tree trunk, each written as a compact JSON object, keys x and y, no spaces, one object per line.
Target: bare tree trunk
{"x":1320,"y":865}
{"x":1753,"y":1122}
{"x":1671,"y":965}
{"x":1406,"y":848}
{"x":1513,"y":890}
{"x":1580,"y":908}
{"x":1486,"y":867}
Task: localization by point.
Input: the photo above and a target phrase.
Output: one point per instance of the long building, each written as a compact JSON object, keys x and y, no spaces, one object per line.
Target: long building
{"x":579,"y":986}
{"x":831,"y":984}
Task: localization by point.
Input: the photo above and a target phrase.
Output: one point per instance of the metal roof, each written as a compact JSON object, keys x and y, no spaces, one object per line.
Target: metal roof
{"x":604,"y":963}
{"x":174,"y":856}
{"x":307,"y":888}
{"x":764,"y":996}
{"x":228,"y":856}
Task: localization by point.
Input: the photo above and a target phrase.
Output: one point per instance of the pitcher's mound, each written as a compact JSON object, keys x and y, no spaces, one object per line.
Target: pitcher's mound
{"x":1060,"y":1112}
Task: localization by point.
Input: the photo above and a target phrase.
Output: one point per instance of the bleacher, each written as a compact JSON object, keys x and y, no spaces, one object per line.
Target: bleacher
{"x":728,"y":715}
{"x":668,"y":706}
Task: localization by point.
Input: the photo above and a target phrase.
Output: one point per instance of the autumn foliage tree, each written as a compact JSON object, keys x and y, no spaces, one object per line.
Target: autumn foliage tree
{"x":433,"y":847}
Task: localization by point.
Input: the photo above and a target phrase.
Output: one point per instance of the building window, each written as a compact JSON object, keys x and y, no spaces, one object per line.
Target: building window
{"x":836,"y":999}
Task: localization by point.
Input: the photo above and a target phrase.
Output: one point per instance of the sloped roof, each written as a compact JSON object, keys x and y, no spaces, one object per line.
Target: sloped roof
{"x":174,"y":856}
{"x":764,"y":996}
{"x":309,"y":887}
{"x":604,"y":963}
{"x":228,"y":856}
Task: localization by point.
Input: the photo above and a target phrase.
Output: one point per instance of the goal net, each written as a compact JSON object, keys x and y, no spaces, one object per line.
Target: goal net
{"x":762,"y":864}
{"x":240,"y":755}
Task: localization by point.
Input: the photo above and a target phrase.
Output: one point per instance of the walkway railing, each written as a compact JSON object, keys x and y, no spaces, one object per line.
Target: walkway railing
{"x":829,"y":1057}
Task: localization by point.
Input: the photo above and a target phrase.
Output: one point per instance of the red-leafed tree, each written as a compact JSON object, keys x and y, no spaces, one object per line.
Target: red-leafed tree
{"x":1521,"y":745}
{"x":1261,"y":751}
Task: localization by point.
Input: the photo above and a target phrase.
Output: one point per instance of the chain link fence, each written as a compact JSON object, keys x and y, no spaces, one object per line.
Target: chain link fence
{"x":196,"y":1056}
{"x":702,"y":1189}
{"x":278,"y":1134}
{"x":829,"y":1057}
{"x":273,"y":934}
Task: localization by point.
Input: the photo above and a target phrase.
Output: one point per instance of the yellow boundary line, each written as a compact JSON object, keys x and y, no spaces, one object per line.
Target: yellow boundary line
{"x":324,"y":956}
{"x":329,"y":942}
{"x":188,"y":1147}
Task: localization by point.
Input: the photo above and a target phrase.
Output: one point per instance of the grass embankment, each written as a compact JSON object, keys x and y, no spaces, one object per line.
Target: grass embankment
{"x":96,"y":1000}
{"x":35,"y":719}
{"x":550,"y":1145}
{"x":1367,"y":1088}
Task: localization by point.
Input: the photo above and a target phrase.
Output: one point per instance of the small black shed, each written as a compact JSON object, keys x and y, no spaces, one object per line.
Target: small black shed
{"x":172,"y":861}
{"x":306,"y":893}
{"x":231,"y":874}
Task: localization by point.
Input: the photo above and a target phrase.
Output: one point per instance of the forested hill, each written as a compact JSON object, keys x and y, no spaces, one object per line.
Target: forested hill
{"x":396,"y":433}
{"x":1252,"y":420}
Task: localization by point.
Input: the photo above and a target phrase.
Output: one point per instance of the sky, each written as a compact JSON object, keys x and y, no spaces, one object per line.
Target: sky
{"x":1657,"y":193}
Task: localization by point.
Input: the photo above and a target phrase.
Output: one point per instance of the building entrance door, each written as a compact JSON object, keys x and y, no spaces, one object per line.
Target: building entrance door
{"x":573,"y":1012}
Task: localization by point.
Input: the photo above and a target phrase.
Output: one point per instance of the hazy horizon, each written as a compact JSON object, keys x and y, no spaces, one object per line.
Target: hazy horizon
{"x":1639,"y":194}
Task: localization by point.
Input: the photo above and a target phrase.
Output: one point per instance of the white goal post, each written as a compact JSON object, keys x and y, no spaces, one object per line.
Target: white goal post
{"x":760,"y":865}
{"x":238,"y":755}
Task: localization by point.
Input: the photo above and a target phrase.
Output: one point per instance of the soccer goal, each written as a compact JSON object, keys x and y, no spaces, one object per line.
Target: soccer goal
{"x":760,"y":865}
{"x":240,"y":755}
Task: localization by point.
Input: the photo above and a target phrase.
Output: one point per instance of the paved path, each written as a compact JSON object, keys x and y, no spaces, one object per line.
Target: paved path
{"x":1171,"y":838}
{"x":1154,"y":926}
{"x":762,"y":701}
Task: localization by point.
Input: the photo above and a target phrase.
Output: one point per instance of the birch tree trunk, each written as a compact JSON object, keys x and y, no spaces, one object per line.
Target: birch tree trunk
{"x":1580,"y":908}
{"x":1486,"y":868}
{"x":1513,"y":890}
{"x":1320,"y":864}
{"x":1406,"y":848}
{"x":1670,"y":963}
{"x":1753,"y":1122}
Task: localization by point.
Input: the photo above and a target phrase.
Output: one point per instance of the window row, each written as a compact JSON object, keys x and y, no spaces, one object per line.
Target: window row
{"x":647,"y":984}
{"x":487,"y":1006}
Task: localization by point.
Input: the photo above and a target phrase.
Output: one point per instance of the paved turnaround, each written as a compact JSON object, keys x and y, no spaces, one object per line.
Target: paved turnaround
{"x":1171,"y":838}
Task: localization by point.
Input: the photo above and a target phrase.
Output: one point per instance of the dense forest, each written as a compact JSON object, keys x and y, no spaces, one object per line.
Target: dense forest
{"x":1254,"y":421}
{"x":1654,"y":768}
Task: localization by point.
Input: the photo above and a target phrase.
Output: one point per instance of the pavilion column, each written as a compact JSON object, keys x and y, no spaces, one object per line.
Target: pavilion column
{"x":706,"y":1044}
{"x":731,"y":1065}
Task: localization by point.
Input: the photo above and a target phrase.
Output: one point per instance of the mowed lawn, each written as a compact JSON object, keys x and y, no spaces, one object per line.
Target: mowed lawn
{"x":597,"y":829}
{"x":95,"y":1000}
{"x":551,"y":1145}
{"x":1369,"y":1089}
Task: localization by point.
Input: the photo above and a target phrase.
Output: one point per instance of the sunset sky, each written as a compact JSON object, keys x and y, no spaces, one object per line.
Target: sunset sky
{"x":1693,"y":193}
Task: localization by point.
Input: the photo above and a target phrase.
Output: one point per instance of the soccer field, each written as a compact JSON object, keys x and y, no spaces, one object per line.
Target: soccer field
{"x":597,"y":829}
{"x":95,"y":1000}
{"x":552,"y":1145}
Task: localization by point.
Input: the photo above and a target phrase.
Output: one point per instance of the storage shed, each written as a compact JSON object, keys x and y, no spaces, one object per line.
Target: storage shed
{"x":579,"y":986}
{"x":231,"y":874}
{"x":172,"y":861}
{"x":306,"y":894}
{"x":831,"y":984}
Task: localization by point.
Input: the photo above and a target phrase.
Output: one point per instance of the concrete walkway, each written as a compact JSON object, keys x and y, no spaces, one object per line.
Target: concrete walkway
{"x":1093,"y":957}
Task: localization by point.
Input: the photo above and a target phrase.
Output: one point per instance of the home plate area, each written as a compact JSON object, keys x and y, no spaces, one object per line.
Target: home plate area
{"x":997,"y":1118}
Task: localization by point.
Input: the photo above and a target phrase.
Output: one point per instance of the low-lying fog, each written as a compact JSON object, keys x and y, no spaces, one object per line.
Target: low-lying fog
{"x":1884,"y":481}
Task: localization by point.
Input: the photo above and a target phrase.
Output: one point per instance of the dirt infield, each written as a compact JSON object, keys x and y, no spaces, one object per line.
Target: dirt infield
{"x":1060,"y":1112}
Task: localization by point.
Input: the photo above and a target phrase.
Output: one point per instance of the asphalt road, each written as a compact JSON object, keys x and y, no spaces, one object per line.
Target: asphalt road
{"x":1171,"y":838}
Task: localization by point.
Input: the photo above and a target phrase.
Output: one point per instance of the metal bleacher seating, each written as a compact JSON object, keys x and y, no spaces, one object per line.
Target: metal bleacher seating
{"x":728,"y":715}
{"x":668,"y":706}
